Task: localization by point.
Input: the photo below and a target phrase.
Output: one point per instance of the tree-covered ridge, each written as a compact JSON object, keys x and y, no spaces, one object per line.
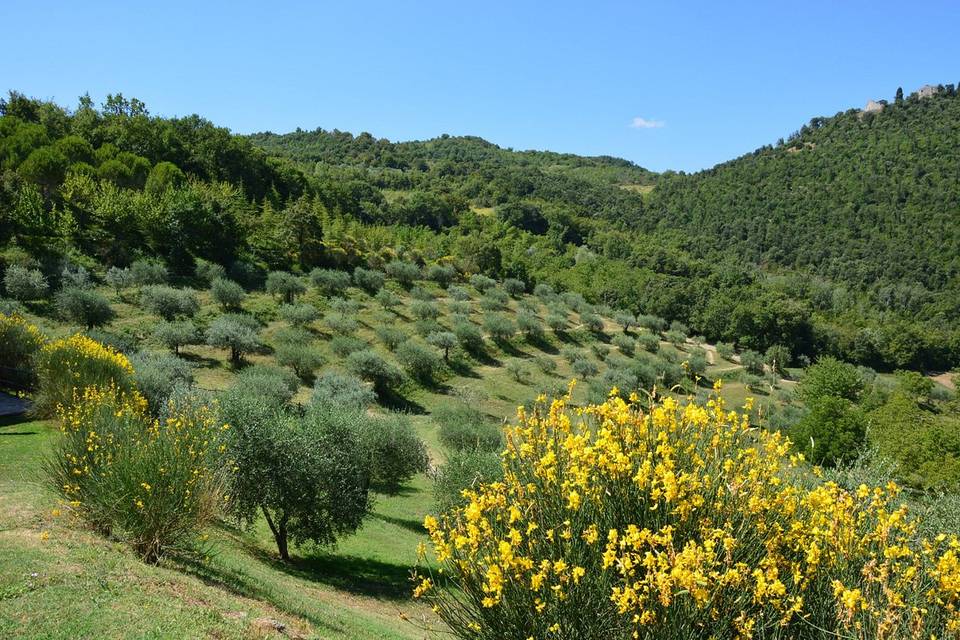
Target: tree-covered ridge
{"x":865,"y":198}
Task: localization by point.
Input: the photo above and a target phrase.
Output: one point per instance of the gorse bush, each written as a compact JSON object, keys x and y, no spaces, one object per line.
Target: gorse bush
{"x":64,"y":368}
{"x":19,"y":343}
{"x":152,"y":483}
{"x":677,"y":522}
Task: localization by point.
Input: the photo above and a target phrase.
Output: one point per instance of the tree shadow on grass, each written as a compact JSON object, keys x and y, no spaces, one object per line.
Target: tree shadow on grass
{"x":200,"y":361}
{"x":462,"y":369}
{"x":409,"y":524}
{"x":541,"y":343}
{"x":394,"y":401}
{"x":360,"y":576}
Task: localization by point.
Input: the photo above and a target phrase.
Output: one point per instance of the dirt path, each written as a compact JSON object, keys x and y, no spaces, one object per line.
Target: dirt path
{"x":946,"y":379}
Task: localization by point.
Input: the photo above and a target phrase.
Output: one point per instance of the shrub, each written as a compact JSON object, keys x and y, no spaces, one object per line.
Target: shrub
{"x":391,"y":337}
{"x":591,"y":321}
{"x":75,"y":278}
{"x":227,"y":293}
{"x":545,"y":292}
{"x":831,"y":432}
{"x":443,"y":340}
{"x":635,"y":524}
{"x":342,"y":324}
{"x":307,"y":475}
{"x":494,"y":300}
{"x":530,"y":326}
{"x":624,"y":381}
{"x":209,"y":272}
{"x":341,"y":391}
{"x":299,"y":315}
{"x":388,"y":299}
{"x":83,"y":306}
{"x":426,"y":326}
{"x":395,"y":452}
{"x":330,"y":281}
{"x":679,"y":327}
{"x":246,"y":273}
{"x":571,"y":354}
{"x":237,"y":332}
{"x":830,"y":377}
{"x":24,"y":284}
{"x":304,"y":359}
{"x":600,"y":350}
{"x":154,"y":484}
{"x":696,"y":363}
{"x":157,"y":375}
{"x":625,"y":319}
{"x":584,"y":369}
{"x":517,"y":371}
{"x":648,"y":342}
{"x":546,"y":363}
{"x":11,"y":307}
{"x":778,"y":358}
{"x":574,"y":301}
{"x":420,"y":361}
{"x":514,"y":287}
{"x":372,"y":367}
{"x":119,"y":279}
{"x":481,"y":282}
{"x":463,"y":427}
{"x":147,"y":272}
{"x":66,"y":367}
{"x":442,"y":274}
{"x":343,"y":346}
{"x":424,"y":310}
{"x":557,"y":321}
{"x":275,"y":384}
{"x":420,"y":293}
{"x":464,"y":469}
{"x":676,"y":338}
{"x":625,"y":344}
{"x":500,"y":327}
{"x":368,"y":280}
{"x":284,"y":285}
{"x":752,"y":362}
{"x":458,"y":293}
{"x":459,"y":307}
{"x":403,"y":272}
{"x":20,"y":341}
{"x":179,"y":333}
{"x":653,"y":324}
{"x":469,"y":337}
{"x":345,"y":306}
{"x":725,"y":350}
{"x":168,"y":302}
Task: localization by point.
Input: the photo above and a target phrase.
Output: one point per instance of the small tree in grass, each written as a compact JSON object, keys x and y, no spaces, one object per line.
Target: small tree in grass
{"x":458,"y":293}
{"x":388,"y":299}
{"x":406,"y":273}
{"x":591,"y":321}
{"x":308,"y":476}
{"x":442,"y":274}
{"x":752,"y":362}
{"x":514,"y":287}
{"x":236,"y":332}
{"x":176,"y":334}
{"x":372,"y":367}
{"x":284,"y":285}
{"x":227,"y":293}
{"x":557,"y":321}
{"x":119,"y":280}
{"x":500,"y":327}
{"x":529,"y":326}
{"x":368,"y":280}
{"x":626,"y":320}
{"x":208,"y":272}
{"x":395,"y":452}
{"x":391,"y":337}
{"x":24,"y":284}
{"x":341,"y":391}
{"x":443,"y":340}
{"x":725,"y":350}
{"x":517,"y":371}
{"x":778,"y":358}
{"x":304,"y":359}
{"x":147,"y":272}
{"x":584,"y":368}
{"x":419,"y":360}
{"x":469,"y":337}
{"x":342,"y":324}
{"x":299,"y":315}
{"x":83,"y":306}
{"x":330,"y":281}
{"x":481,"y":282}
{"x":423,"y":310}
{"x":168,"y":302}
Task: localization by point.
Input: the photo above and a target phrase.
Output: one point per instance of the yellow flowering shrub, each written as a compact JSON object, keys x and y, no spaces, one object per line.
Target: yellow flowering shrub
{"x":75,"y":363}
{"x":679,"y":520}
{"x":152,"y":483}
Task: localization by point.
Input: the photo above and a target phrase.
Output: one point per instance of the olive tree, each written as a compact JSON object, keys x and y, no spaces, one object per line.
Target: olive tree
{"x":236,"y":332}
{"x":169,"y":302}
{"x":284,"y":285}
{"x":24,"y":284}
{"x":83,"y":306}
{"x":227,"y":293}
{"x":176,"y":334}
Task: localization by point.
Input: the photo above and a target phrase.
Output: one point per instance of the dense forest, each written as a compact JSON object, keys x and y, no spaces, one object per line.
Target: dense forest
{"x":837,"y":241}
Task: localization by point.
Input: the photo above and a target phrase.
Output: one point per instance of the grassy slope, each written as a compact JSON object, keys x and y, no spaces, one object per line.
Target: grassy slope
{"x":86,"y":586}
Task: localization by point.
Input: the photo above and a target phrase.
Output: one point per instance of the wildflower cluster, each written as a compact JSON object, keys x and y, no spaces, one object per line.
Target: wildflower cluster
{"x":75,"y":363}
{"x":150,"y":482}
{"x":680,"y":521}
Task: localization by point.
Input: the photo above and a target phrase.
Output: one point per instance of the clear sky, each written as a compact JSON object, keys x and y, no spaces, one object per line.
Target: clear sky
{"x":669,"y":85}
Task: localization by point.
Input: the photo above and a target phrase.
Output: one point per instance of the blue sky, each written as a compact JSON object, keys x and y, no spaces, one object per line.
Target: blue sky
{"x":704,"y":82}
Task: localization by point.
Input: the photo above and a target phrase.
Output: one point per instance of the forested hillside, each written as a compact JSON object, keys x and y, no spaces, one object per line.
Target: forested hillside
{"x":836,"y":242}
